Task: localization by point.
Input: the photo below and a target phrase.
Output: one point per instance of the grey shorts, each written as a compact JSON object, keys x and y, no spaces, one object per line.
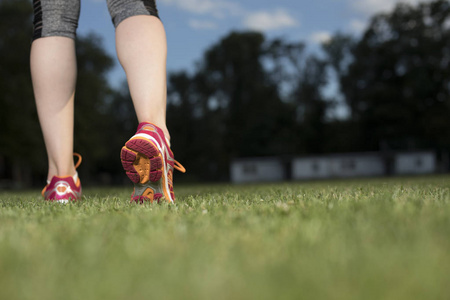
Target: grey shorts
{"x":60,"y":17}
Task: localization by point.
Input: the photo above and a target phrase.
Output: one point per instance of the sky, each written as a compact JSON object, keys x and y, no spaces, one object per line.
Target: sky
{"x":194,"y":25}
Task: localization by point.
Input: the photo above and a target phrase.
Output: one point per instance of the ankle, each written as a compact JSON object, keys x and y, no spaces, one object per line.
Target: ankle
{"x":61,"y":172}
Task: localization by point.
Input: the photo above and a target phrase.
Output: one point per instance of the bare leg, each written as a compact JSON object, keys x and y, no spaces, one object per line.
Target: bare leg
{"x":142,"y":51}
{"x":53,"y":71}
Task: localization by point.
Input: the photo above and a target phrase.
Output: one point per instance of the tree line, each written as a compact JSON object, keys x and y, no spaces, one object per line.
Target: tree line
{"x":248,"y":96}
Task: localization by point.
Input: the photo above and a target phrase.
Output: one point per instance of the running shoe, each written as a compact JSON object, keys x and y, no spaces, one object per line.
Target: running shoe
{"x":149,"y":163}
{"x":63,"y":189}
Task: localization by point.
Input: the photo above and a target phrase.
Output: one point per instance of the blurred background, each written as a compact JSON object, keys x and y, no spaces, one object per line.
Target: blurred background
{"x":257,"y":91}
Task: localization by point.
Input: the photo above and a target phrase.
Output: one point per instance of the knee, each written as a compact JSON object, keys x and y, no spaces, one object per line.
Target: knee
{"x":55,"y":18}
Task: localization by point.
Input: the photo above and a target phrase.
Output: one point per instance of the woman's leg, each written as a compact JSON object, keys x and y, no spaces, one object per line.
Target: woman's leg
{"x":53,"y":72}
{"x":142,"y":51}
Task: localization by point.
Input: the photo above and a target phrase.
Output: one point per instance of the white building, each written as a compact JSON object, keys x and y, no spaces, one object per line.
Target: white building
{"x":415,"y":163}
{"x":257,"y":170}
{"x":334,"y":166}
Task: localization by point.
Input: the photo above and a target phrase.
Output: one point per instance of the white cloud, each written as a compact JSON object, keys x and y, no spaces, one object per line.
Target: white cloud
{"x":320,"y":37}
{"x":370,"y":7}
{"x":200,"y":24}
{"x":217,"y":9}
{"x":225,"y":9}
{"x":357,"y":25}
{"x":265,"y":21}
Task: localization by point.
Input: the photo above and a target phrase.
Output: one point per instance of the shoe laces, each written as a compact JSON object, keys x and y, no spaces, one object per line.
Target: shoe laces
{"x":180,"y":168}
{"x":79,"y":159}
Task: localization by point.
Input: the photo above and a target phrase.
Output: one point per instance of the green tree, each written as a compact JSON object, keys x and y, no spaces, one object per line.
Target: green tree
{"x":21,"y":147}
{"x":93,"y":117}
{"x":231,"y":107}
{"x":312,"y":107}
{"x":302,"y":77}
{"x":187,"y":122}
{"x":398,"y":83}
{"x":250,"y":99}
{"x":343,"y":135}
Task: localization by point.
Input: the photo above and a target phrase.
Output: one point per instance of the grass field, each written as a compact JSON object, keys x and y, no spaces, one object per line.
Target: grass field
{"x":360,"y":239}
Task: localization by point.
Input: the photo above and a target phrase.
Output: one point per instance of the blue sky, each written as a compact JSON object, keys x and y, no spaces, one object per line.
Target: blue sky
{"x":194,"y":25}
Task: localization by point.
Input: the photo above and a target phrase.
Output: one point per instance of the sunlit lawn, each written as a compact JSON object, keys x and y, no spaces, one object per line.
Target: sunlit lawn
{"x":359,"y":239}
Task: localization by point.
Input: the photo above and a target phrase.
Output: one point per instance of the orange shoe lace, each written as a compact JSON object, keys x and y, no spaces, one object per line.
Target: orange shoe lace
{"x":180,"y":168}
{"x":79,"y":160}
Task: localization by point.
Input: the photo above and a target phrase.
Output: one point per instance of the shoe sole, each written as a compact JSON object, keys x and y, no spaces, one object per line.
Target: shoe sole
{"x":143,"y":164}
{"x":142,"y":161}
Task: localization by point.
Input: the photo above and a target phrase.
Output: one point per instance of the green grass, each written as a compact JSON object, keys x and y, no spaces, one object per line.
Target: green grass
{"x":359,"y":239}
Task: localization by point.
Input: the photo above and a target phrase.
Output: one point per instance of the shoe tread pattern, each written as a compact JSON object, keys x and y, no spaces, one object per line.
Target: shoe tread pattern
{"x":141,"y":161}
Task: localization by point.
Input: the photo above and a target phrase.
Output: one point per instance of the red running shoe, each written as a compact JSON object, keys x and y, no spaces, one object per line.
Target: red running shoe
{"x":149,"y":163}
{"x":63,"y":189}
